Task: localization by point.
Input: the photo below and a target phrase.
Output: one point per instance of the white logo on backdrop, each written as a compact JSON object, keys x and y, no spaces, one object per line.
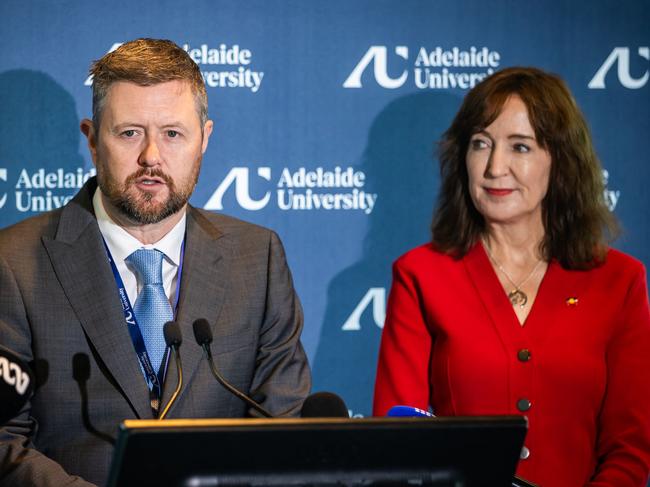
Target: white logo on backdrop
{"x":45,"y":190}
{"x":239,"y":176}
{"x":225,"y":66}
{"x":375,"y":296}
{"x":435,"y":68}
{"x":3,"y":177}
{"x":621,"y":56}
{"x":379,"y":57}
{"x":611,"y":196}
{"x":300,"y":189}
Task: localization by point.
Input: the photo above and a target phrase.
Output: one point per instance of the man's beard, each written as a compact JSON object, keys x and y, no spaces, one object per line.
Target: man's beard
{"x":139,"y":206}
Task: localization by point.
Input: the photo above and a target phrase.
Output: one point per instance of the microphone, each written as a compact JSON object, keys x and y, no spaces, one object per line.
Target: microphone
{"x":16,"y":385}
{"x":324,"y":405}
{"x":203,"y":336}
{"x":173,"y":339}
{"x":408,"y":412}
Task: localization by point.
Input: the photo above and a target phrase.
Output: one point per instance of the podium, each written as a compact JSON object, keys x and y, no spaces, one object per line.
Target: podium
{"x":449,"y":452}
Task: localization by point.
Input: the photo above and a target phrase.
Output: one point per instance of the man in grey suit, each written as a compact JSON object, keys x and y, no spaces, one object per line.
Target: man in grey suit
{"x":69,"y":280}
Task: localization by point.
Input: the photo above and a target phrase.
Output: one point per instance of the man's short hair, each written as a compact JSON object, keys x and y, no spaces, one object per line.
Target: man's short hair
{"x":146,"y":62}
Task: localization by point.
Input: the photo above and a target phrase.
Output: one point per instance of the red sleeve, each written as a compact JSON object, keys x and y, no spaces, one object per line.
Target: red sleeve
{"x":403,"y":369}
{"x":623,"y":443}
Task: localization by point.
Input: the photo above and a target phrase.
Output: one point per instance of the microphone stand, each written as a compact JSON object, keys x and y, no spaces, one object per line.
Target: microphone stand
{"x":179,"y":383}
{"x":173,"y":339}
{"x":229,"y":387}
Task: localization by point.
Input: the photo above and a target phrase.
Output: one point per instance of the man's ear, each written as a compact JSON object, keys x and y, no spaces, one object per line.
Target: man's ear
{"x":88,"y":129}
{"x":207,"y":131}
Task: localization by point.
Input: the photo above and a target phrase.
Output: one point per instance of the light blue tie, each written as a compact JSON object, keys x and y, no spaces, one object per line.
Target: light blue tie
{"x":152,"y":308}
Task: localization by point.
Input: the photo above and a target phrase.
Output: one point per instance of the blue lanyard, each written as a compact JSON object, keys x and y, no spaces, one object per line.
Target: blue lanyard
{"x":154,"y":381}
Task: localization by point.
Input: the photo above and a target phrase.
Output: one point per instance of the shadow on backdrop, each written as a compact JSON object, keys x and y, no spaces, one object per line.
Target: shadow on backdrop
{"x":39,"y":129}
{"x":401,"y":167}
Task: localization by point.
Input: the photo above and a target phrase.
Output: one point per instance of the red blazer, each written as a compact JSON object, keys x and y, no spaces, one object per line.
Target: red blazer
{"x":452,"y":341}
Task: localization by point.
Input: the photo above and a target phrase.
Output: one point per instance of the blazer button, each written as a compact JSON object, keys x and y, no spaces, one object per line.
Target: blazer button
{"x":524,"y":454}
{"x":523,"y":355}
{"x":523,"y":404}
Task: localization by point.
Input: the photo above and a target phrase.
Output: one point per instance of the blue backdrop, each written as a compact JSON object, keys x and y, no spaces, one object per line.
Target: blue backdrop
{"x":326,"y":117}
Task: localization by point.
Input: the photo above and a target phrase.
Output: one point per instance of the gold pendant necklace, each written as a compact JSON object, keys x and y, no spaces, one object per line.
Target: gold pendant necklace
{"x":517,"y":297}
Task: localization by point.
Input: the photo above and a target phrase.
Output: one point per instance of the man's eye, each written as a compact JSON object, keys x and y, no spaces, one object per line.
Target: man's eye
{"x":172,"y":133}
{"x":128,"y":133}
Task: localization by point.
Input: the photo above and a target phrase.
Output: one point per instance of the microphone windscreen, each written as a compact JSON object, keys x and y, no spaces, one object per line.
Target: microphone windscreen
{"x":202,"y":332}
{"x":324,"y":405}
{"x":408,"y":412}
{"x":172,"y":333}
{"x":80,"y":367}
{"x":16,"y":385}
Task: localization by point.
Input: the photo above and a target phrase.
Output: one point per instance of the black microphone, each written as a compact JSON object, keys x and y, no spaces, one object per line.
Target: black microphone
{"x":324,"y":405}
{"x":173,"y":339}
{"x":16,"y":385}
{"x":203,"y":336}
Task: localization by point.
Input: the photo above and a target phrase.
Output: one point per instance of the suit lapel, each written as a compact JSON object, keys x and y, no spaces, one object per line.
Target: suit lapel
{"x":496,"y":303}
{"x":556,"y":282}
{"x":554,"y":305}
{"x":203,"y":287}
{"x":81,"y":265}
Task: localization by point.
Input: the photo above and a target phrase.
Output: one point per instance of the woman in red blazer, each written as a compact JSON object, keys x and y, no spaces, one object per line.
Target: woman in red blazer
{"x":518,"y":306}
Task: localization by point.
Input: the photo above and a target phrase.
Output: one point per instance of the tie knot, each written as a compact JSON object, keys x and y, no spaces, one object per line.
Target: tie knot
{"x":148,"y":264}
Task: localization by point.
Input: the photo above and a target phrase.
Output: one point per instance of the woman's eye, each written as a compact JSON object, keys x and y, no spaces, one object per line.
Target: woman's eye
{"x":478,"y":144}
{"x":521,"y":148}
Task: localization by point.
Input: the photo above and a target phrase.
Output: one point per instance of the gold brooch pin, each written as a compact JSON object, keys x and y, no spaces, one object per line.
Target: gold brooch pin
{"x":572,"y":301}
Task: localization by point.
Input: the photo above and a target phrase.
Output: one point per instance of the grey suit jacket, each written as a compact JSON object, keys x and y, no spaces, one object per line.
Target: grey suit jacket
{"x":59,"y":310}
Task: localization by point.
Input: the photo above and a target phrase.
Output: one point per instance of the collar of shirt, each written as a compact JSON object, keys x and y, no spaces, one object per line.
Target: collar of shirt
{"x":122,"y":244}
